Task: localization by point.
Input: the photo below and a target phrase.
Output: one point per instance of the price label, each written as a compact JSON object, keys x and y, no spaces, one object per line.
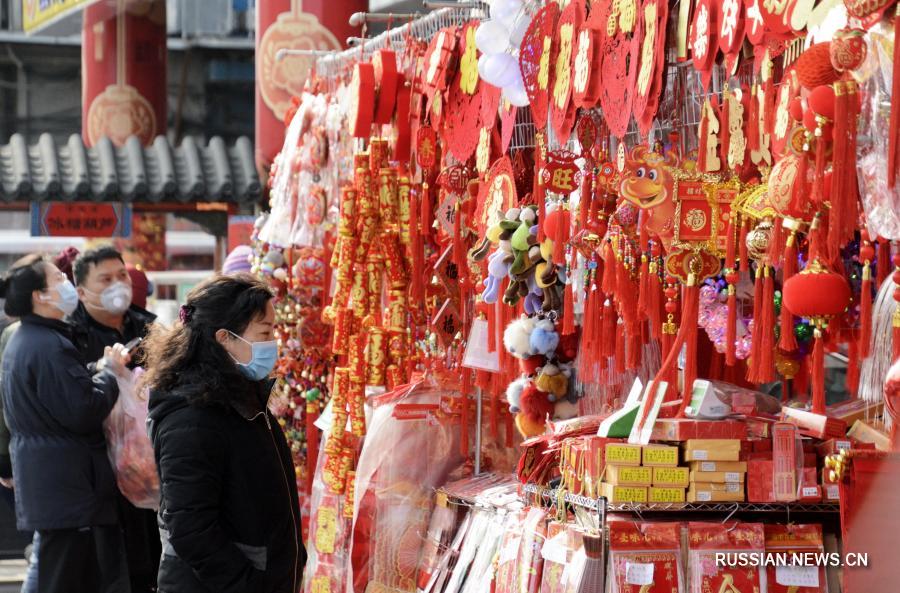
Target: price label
{"x":660,"y":455}
{"x":809,"y":491}
{"x":704,"y":496}
{"x":732,"y":477}
{"x":707,"y":466}
{"x":797,"y":576}
{"x":623,"y":454}
{"x":638,"y":573}
{"x":666,"y":494}
{"x":700,"y":454}
{"x":671,"y":476}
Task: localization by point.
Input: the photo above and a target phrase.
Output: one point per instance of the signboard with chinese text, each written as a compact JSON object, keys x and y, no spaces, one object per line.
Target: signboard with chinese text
{"x":37,"y":14}
{"x":80,"y":219}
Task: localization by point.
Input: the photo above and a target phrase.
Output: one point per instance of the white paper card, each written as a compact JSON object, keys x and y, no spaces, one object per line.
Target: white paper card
{"x":707,"y":466}
{"x":638,"y":573}
{"x":732,"y":476}
{"x":809,"y":491}
{"x":510,"y":551}
{"x":477,"y":355}
{"x":699,"y":454}
{"x":797,"y":576}
{"x":554,"y":550}
{"x":704,"y":496}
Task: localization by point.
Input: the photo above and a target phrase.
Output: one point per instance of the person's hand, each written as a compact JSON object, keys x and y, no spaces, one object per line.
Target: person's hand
{"x":116,"y":359}
{"x":7,"y":483}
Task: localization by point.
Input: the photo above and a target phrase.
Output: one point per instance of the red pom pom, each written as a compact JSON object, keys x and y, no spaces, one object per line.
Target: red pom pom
{"x":821,"y":100}
{"x":567,"y":349}
{"x":534,"y":404}
{"x":529,"y":366}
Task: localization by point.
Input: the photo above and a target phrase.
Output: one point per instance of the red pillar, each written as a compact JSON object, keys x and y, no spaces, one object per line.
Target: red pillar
{"x":123,"y":83}
{"x":123,"y":92}
{"x":295,"y":24}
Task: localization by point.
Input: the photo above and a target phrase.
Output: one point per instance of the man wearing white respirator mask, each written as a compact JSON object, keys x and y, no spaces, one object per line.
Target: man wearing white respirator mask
{"x":107,"y":316}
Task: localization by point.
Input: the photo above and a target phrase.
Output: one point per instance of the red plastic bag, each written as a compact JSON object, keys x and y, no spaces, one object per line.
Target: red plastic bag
{"x":129,"y":447}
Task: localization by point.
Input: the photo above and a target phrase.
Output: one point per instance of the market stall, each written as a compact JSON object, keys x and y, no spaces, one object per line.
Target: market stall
{"x":575,"y":296}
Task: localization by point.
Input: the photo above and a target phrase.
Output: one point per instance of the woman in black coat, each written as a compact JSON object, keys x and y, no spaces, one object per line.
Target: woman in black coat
{"x":64,"y":484}
{"x":229,"y":514}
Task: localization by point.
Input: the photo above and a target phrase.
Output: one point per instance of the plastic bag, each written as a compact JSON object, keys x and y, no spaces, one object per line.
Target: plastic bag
{"x":129,"y":447}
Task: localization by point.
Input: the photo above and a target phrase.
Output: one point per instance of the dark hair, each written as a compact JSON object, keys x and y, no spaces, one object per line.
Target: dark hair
{"x":93,"y":257}
{"x":187,"y":357}
{"x":24,"y":277}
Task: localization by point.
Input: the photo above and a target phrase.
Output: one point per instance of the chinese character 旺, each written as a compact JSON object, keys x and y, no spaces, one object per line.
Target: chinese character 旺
{"x":563,"y":178}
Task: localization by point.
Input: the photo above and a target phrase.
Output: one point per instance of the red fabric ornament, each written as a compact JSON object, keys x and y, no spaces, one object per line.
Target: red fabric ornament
{"x":704,"y":39}
{"x":562,"y":110}
{"x":816,"y":292}
{"x":588,"y":54}
{"x":362,"y":100}
{"x":384,"y":63}
{"x":534,"y":404}
{"x":848,"y":49}
{"x":536,"y":75}
{"x":652,"y":63}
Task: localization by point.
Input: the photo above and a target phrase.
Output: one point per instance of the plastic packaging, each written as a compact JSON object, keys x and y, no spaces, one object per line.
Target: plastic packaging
{"x":642,"y":554}
{"x":128,"y":444}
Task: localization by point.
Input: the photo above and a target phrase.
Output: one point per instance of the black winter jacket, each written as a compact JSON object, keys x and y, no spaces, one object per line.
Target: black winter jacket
{"x":55,"y":412}
{"x":91,"y":337}
{"x":229,"y":513}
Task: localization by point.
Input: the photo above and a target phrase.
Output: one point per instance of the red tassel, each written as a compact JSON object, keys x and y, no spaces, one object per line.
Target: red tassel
{"x":731,"y":328}
{"x":635,"y":348}
{"x":883,"y":261}
{"x":801,"y":379}
{"x":752,"y":119}
{"x":742,"y":247}
{"x":756,"y":342}
{"x":312,"y":444}
{"x":818,"y":194}
{"x":776,"y":244}
{"x":788,"y":341}
{"x":560,"y":243}
{"x":609,"y":330}
{"x":587,"y":191}
{"x":620,"y":347}
{"x":415,"y":248}
{"x":655,"y":306}
{"x":818,"y":374}
{"x":689,"y":322}
{"x":853,"y":369}
{"x":895,"y":110}
{"x":767,"y":345}
{"x":865,"y":312}
{"x":459,"y":252}
{"x":426,"y":212}
{"x":644,"y":288}
{"x":838,"y":174}
{"x":609,"y":272}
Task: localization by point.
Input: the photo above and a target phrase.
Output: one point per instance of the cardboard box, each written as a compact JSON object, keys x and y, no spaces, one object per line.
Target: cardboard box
{"x":700,"y":492}
{"x":719,"y":466}
{"x":759,"y":481}
{"x":712,"y":450}
{"x":678,"y":477}
{"x":659,"y":456}
{"x":681,"y":429}
{"x":666,"y":494}
{"x":855,"y":409}
{"x":730,"y":487}
{"x":835,"y":446}
{"x":814,"y":425}
{"x":628,"y":475}
{"x":869,"y":434}
{"x":623,"y":454}
{"x":718,"y":477}
{"x":617,"y":494}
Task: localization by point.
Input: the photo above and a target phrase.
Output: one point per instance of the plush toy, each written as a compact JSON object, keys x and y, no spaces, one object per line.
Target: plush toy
{"x":531,"y":365}
{"x":536,"y":408}
{"x":498,"y":269}
{"x":552,"y":381}
{"x":564,"y":410}
{"x":517,"y":337}
{"x":567,"y":349}
{"x":543,"y":339}
{"x":514,"y":394}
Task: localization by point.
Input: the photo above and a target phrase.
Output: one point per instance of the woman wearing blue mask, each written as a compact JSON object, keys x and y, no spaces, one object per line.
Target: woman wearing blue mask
{"x":229,"y":515}
{"x":64,"y":485}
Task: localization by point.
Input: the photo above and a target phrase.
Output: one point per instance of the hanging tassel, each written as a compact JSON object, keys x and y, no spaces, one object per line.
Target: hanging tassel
{"x":609,"y":330}
{"x":426,"y":212}
{"x":731,"y":326}
{"x":587,"y":192}
{"x":459,"y":252}
{"x":655,"y":306}
{"x":853,"y":369}
{"x":838,"y":174}
{"x":883,"y":261}
{"x":767,"y":344}
{"x":756,"y":341}
{"x":620,"y":347}
{"x":312,"y":443}
{"x":865,"y":312}
{"x":894,"y":129}
{"x":635,"y":347}
{"x":788,"y":341}
{"x":776,"y":243}
{"x":818,"y":373}
{"x":643,"y":288}
{"x":560,"y":243}
{"x":689,"y":323}
{"x":818,"y":193}
{"x":608,"y":285}
{"x":742,"y":246}
{"x":417,"y":289}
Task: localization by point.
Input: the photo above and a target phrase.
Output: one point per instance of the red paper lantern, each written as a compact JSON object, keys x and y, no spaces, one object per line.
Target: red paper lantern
{"x":816,"y":293}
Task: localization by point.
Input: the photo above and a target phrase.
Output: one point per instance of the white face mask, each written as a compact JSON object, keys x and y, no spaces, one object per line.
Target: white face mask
{"x":115,"y":298}
{"x":66,"y":299}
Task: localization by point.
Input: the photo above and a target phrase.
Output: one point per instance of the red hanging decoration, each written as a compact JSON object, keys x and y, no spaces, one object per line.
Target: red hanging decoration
{"x":866,"y":252}
{"x":818,"y":373}
{"x":742,"y":247}
{"x":655,"y":305}
{"x":568,"y":322}
{"x":788,"y":341}
{"x":609,"y":330}
{"x":620,"y":347}
{"x":689,"y":323}
{"x":767,"y":345}
{"x":756,"y":341}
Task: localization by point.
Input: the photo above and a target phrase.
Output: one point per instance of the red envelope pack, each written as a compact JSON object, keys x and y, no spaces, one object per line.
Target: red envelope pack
{"x":705,"y":540}
{"x":645,"y":557}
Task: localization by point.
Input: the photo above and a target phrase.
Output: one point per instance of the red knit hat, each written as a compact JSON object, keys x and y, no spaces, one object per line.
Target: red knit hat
{"x":140,"y":286}
{"x":64,"y":261}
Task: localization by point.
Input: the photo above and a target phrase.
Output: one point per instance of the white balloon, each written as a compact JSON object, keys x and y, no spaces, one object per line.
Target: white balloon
{"x":505,"y":69}
{"x":519,"y":28}
{"x":491,"y":37}
{"x":505,"y":11}
{"x":515,"y":94}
